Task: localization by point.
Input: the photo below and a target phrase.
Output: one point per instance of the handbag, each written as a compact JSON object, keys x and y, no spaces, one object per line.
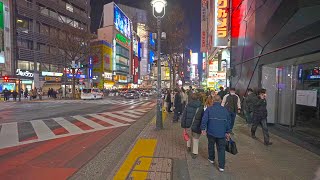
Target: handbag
{"x":231,"y":147}
{"x":185,"y":134}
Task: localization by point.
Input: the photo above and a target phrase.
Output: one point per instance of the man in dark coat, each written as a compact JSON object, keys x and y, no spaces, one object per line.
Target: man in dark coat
{"x":248,"y":105}
{"x":177,"y":105}
{"x":191,"y":121}
{"x":260,"y":114}
{"x":6,"y":94}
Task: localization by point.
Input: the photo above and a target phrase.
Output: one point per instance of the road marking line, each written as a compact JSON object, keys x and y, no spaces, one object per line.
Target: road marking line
{"x":142,"y":110}
{"x":127,"y":114}
{"x":134,"y":112}
{"x":73,"y":129}
{"x":9,"y":135}
{"x":42,"y":130}
{"x":118,"y":117}
{"x":88,"y":122}
{"x":139,"y":103}
{"x":143,"y":147}
{"x":114,"y":123}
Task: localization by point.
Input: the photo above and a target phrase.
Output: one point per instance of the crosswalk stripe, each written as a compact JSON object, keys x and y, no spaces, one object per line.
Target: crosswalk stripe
{"x":73,"y":129}
{"x":9,"y":134}
{"x":115,"y":123}
{"x":135,"y":112}
{"x":42,"y":130}
{"x":138,"y":103}
{"x":118,"y":117}
{"x":88,"y":122}
{"x":128,"y":114}
{"x":141,"y":110}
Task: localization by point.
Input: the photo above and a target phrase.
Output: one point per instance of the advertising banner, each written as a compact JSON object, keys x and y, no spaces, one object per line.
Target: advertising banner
{"x":204,"y":26}
{"x":135,"y":70}
{"x":221,"y":22}
{"x":121,"y":22}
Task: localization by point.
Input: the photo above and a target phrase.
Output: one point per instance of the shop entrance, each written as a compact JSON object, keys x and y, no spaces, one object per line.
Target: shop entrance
{"x":293,"y":89}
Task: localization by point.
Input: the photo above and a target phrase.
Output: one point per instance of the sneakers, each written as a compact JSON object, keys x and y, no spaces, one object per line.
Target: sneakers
{"x":221,"y":170}
{"x":268,"y":143}
{"x":211,"y":161}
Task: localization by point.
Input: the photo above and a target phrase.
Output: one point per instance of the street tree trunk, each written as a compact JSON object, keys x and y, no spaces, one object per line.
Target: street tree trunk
{"x":73,"y":83}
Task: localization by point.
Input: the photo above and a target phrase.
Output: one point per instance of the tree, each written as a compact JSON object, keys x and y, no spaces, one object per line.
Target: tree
{"x":176,"y":28}
{"x":75,"y":46}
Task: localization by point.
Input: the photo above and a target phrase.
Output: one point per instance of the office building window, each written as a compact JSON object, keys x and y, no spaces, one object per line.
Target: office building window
{"x":23,"y":24}
{"x":23,"y":65}
{"x":69,"y":7}
{"x":31,"y":64}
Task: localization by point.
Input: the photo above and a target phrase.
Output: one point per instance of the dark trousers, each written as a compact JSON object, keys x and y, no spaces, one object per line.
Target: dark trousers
{"x":221,"y":149}
{"x":233,"y":119}
{"x":183,"y":106}
{"x":176,"y":115}
{"x":248,"y":116}
{"x":263,"y":123}
{"x":169,"y":107}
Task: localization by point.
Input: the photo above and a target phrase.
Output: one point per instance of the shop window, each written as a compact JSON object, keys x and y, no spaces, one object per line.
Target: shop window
{"x":23,"y":65}
{"x":69,"y":7}
{"x":31,"y":64}
{"x":23,"y":24}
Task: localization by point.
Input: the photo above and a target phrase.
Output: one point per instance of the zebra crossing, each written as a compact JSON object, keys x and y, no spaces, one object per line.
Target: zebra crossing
{"x":103,"y":101}
{"x":19,"y":133}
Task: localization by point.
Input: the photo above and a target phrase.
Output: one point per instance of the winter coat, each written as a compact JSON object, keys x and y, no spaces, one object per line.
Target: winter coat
{"x":260,"y":109}
{"x":168,"y":98}
{"x":177,"y":102}
{"x":190,"y":113}
{"x":216,"y":121}
{"x":249,"y":101}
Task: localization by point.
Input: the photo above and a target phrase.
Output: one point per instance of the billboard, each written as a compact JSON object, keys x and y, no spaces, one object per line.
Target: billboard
{"x":151,"y":57}
{"x":135,"y":70}
{"x":221,"y":21}
{"x":204,"y":26}
{"x":194,"y":58}
{"x":121,"y":22}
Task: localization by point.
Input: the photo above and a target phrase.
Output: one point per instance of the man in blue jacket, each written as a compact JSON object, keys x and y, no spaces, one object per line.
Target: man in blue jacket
{"x":216,"y":125}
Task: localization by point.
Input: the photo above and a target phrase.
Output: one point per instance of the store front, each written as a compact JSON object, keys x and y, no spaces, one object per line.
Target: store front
{"x":293,"y":89}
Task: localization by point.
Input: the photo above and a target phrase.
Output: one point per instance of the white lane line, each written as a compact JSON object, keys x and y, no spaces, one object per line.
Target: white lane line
{"x":42,"y":130}
{"x":71,"y":128}
{"x":148,"y":104}
{"x":134,"y":112}
{"x":127,"y":114}
{"x":118,"y":117}
{"x":138,"y":103}
{"x":114,"y":123}
{"x":88,"y":122}
{"x":9,"y":134}
{"x":141,"y":110}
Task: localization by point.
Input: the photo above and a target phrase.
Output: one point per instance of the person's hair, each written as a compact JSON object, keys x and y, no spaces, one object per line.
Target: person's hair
{"x":176,"y":90}
{"x":250,"y":90}
{"x":182,"y":89}
{"x":262,"y":91}
{"x":221,"y":88}
{"x":209,"y":101}
{"x":232,"y":89}
{"x":190,"y":87}
{"x":195,"y":96}
{"x":216,"y":98}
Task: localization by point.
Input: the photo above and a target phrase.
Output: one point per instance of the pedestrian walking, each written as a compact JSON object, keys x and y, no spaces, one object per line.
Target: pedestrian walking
{"x":216,"y":125}
{"x":233,"y":104}
{"x":26,"y":93}
{"x":248,"y":105}
{"x":209,"y":102}
{"x":6,"y":94}
{"x":190,"y":92}
{"x":177,"y":105}
{"x":168,"y":100}
{"x":191,"y":122}
{"x":14,"y":95}
{"x":222,"y":92}
{"x":184,"y":99}
{"x":260,"y":114}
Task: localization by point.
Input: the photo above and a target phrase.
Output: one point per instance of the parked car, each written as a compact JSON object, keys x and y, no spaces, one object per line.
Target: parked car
{"x":131,"y":95}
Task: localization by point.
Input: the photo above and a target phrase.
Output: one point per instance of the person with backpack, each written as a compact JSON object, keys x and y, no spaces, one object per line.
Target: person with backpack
{"x":233,"y":104}
{"x":191,"y":122}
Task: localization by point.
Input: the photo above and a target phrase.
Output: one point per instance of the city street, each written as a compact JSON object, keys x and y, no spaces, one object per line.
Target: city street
{"x":53,"y":138}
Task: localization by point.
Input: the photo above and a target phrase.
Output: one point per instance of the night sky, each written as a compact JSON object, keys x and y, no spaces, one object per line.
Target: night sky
{"x":192,"y":8}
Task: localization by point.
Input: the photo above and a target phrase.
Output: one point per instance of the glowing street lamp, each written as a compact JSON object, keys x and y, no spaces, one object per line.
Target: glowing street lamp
{"x":159,"y":10}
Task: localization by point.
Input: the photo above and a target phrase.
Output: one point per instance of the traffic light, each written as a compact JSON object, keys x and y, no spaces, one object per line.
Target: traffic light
{"x":83,"y":66}
{"x":6,"y":79}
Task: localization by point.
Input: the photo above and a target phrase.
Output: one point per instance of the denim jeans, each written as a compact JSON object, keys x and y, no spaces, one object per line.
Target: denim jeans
{"x":248,"y":116}
{"x":233,"y":118}
{"x":263,"y":123}
{"x":221,"y":149}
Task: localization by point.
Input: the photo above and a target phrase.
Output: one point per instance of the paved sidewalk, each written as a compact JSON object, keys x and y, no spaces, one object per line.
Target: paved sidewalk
{"x":282,"y":160}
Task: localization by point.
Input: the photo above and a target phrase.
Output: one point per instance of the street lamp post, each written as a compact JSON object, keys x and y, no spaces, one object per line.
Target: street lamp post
{"x":224,"y":60}
{"x":159,"y":10}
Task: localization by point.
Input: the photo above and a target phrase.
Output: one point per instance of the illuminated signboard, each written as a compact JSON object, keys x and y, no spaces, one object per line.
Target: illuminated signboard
{"x":194,"y":58}
{"x":121,"y":22}
{"x":151,"y":57}
{"x":55,"y":74}
{"x":123,"y":39}
{"x":204,"y":21}
{"x":221,"y":23}
{"x":152,"y":41}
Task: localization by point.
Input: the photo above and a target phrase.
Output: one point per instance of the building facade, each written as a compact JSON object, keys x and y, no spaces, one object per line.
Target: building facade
{"x":36,"y":25}
{"x":275,"y":45}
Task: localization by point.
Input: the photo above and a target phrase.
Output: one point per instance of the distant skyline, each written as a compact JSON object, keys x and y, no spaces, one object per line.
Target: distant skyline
{"x":191,"y":7}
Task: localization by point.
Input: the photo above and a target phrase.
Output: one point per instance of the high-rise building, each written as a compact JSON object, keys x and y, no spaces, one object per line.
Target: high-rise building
{"x":37,"y":25}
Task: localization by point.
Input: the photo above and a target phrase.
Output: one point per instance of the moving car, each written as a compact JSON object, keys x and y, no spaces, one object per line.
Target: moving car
{"x":131,"y":95}
{"x":91,"y":93}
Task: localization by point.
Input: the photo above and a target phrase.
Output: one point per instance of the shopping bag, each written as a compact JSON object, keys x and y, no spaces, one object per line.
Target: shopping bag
{"x":185,"y":135}
{"x":231,"y":147}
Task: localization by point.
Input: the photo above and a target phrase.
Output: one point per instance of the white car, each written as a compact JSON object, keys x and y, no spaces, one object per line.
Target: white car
{"x":91,"y":93}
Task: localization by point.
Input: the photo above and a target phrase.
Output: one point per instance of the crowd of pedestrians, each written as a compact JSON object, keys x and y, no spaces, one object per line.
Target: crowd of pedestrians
{"x":213,"y":114}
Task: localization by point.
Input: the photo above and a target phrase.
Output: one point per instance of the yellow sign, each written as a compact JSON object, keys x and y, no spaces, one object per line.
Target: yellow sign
{"x":222,"y":18}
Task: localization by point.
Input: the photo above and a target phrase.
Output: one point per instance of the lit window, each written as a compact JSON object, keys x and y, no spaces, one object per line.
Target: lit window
{"x":69,"y":7}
